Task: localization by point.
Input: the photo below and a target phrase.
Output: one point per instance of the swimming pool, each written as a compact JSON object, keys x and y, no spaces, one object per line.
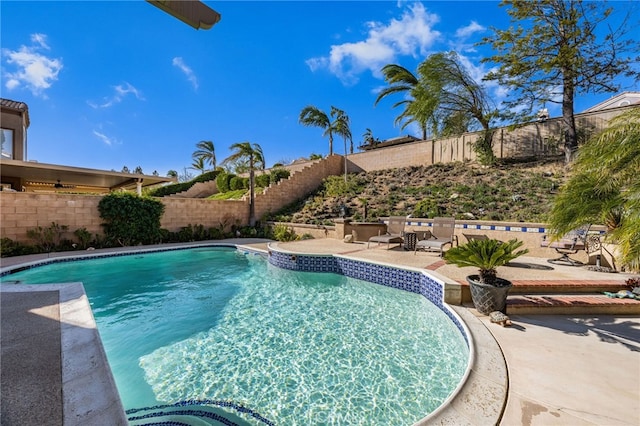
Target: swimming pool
{"x":297,"y":348}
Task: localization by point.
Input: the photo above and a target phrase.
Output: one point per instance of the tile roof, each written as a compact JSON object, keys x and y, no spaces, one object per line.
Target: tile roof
{"x":16,"y":106}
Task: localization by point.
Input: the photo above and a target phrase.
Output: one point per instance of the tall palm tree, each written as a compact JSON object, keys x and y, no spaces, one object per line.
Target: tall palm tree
{"x":313,"y":117}
{"x":604,"y":188}
{"x":253,"y":155}
{"x":340,"y":126}
{"x":419,"y":107}
{"x":207,"y":152}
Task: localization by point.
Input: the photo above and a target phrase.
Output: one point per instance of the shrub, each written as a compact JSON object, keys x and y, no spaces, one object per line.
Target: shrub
{"x":278,"y":174}
{"x":48,"y":239}
{"x":130,"y":219}
{"x":236,"y":183}
{"x":163,"y":191}
{"x":182,"y":186}
{"x":284,"y":233}
{"x":427,"y":208}
{"x":262,"y":181}
{"x":9,"y":248}
{"x":83,"y":236}
{"x":223,"y":181}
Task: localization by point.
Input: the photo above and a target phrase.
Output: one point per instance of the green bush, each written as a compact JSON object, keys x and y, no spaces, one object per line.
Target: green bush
{"x":262,"y":181}
{"x":83,"y":236}
{"x":9,"y":248}
{"x":284,"y":233}
{"x":48,"y":239}
{"x":130,"y":219}
{"x":278,"y":174}
{"x":223,"y":181}
{"x":163,"y":191}
{"x":236,"y":183}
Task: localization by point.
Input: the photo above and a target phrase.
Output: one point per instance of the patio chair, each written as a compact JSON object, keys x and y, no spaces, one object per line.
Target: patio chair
{"x":442,"y":233}
{"x":471,"y":237}
{"x":394,"y":234}
{"x":570,"y":243}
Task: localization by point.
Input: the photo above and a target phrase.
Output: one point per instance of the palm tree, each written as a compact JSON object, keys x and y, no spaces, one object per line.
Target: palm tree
{"x":314,"y":117}
{"x":459,"y":98}
{"x":172,"y":173}
{"x":253,"y":155}
{"x":207,"y":152}
{"x":418,"y":105}
{"x":199,"y":164}
{"x":340,"y":126}
{"x":604,"y":188}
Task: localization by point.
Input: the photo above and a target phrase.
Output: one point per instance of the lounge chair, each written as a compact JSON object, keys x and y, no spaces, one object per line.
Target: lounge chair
{"x":442,"y":233}
{"x":394,"y":234}
{"x":570,"y":243}
{"x":471,"y":237}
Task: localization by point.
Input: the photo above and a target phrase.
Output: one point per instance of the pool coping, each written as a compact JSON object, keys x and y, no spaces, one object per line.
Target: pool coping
{"x":479,"y":398}
{"x":89,"y":392}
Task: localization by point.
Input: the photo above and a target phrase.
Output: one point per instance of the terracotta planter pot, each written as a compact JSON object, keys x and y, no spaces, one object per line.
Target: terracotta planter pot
{"x":488,"y":298}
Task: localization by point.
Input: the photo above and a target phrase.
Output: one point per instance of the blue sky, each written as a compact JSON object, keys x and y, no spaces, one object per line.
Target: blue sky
{"x":119,"y":83}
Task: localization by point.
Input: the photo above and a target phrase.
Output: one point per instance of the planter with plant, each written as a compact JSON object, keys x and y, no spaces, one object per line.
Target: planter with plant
{"x":488,"y":292}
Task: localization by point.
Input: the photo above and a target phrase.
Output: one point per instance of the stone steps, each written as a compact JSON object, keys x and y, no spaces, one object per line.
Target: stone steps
{"x":571,"y":304}
{"x":567,"y":297}
{"x":565,"y":286}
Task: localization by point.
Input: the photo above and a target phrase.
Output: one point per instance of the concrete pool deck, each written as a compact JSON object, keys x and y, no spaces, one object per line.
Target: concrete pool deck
{"x":543,"y":370}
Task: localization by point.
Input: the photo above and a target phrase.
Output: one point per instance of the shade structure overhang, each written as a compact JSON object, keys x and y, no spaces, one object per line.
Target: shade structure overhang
{"x":192,"y":12}
{"x":76,"y":176}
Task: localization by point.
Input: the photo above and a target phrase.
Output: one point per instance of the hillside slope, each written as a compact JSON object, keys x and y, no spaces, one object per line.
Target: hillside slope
{"x":509,"y":192}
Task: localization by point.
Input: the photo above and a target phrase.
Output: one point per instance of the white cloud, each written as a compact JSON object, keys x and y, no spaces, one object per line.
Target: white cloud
{"x":119,"y":93}
{"x":104,"y":138}
{"x":31,"y":68}
{"x":461,"y":43}
{"x":469,"y":30}
{"x":412,"y":34}
{"x":179,"y":62}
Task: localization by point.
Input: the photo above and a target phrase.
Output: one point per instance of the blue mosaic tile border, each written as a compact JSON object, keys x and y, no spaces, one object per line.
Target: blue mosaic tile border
{"x":536,"y":229}
{"x":402,"y":279}
{"x":173,"y":409}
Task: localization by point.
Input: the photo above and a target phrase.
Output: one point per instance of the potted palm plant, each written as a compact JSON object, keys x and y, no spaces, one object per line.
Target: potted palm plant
{"x":488,"y":292}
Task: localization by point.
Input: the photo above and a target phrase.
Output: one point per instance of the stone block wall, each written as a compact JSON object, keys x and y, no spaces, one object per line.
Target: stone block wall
{"x":298,"y":185}
{"x":21,"y":211}
{"x":531,"y":140}
{"x":181,"y":212}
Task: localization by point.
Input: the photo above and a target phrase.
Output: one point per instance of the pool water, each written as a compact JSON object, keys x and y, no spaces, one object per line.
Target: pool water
{"x":298,"y":348}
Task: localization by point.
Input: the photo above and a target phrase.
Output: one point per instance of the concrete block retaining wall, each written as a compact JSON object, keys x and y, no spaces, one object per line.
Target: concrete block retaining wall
{"x":298,"y":185}
{"x":21,"y":211}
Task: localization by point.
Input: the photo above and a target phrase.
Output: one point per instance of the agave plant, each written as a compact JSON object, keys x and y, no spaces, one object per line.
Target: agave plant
{"x":486,"y":255}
